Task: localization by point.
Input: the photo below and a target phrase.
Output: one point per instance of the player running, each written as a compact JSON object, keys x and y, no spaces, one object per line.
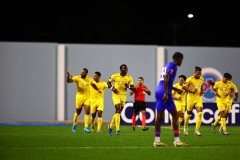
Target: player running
{"x":122,"y":81}
{"x":180,"y":99}
{"x":97,"y":101}
{"x":83,"y":83}
{"x":164,"y":100}
{"x":139,"y":103}
{"x":223,"y":90}
{"x":194,"y":88}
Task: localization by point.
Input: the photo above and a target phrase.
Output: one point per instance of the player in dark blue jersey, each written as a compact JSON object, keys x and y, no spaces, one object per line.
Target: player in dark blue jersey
{"x":164,"y":100}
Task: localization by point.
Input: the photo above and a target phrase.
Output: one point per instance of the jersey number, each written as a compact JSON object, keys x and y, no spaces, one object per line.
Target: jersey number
{"x":163,"y":74}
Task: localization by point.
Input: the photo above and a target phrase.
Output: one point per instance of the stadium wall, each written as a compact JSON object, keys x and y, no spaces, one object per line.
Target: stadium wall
{"x":29,"y":72}
{"x":28,"y":81}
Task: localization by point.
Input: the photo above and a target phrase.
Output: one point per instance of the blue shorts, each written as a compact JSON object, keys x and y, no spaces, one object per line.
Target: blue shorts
{"x":161,"y":105}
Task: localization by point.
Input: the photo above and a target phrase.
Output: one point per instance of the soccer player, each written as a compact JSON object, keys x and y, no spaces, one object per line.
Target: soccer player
{"x":83,"y":83}
{"x":97,"y":101}
{"x":223,"y":90}
{"x":194,"y":88}
{"x":122,"y":81}
{"x":180,"y":99}
{"x":164,"y":100}
{"x":139,"y":103}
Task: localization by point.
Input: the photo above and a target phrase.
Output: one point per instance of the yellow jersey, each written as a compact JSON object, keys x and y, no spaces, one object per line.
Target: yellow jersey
{"x":95,"y":94}
{"x":192,"y":83}
{"x":223,"y":90}
{"x":183,"y":95}
{"x":83,"y":84}
{"x":234,"y":90}
{"x":119,"y":82}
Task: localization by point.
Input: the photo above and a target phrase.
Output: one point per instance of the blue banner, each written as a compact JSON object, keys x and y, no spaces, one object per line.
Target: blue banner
{"x":210,"y":112}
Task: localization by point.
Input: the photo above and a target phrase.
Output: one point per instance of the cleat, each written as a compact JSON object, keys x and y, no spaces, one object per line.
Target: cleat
{"x":180,"y":144}
{"x":145,"y":129}
{"x":225,"y":133}
{"x":220,"y":130}
{"x":185,"y":130}
{"x":118,"y":132}
{"x":99,"y":131}
{"x":86,"y":130}
{"x":74,"y":128}
{"x":133,"y":128}
{"x":109,"y":130}
{"x":197,"y":133}
{"x":213,"y":128}
{"x":159,"y":144}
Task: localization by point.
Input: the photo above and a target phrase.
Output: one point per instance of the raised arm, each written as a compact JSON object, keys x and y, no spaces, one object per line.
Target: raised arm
{"x":69,"y":78}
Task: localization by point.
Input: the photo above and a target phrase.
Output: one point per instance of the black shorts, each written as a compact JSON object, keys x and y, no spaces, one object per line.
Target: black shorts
{"x":138,"y":106}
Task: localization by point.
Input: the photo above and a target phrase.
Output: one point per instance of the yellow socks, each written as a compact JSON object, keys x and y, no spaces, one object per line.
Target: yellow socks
{"x":117,"y":120}
{"x":223,"y":124}
{"x":113,"y":121}
{"x":99,"y":124}
{"x":186,"y":120}
{"x":75,"y":118}
{"x":198,"y":120}
{"x":218,"y":119}
{"x":86,"y":120}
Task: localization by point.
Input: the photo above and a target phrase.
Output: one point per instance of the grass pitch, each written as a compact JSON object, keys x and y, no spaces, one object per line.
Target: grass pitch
{"x":60,"y":143}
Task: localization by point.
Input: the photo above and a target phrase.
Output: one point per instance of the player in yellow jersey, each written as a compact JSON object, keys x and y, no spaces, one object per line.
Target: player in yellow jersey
{"x":122,"y":81}
{"x":223,"y":89}
{"x":83,"y":83}
{"x":180,"y":99}
{"x":193,"y":86}
{"x":97,"y":101}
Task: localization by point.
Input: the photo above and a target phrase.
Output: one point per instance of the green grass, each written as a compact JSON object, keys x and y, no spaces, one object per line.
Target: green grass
{"x":58,"y":142}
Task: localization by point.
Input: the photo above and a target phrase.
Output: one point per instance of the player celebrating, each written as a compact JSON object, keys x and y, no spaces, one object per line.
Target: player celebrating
{"x":180,"y":99}
{"x":139,"y":103}
{"x":164,"y":100}
{"x":83,"y":82}
{"x":97,"y":101}
{"x":229,"y":104}
{"x":122,"y":81}
{"x":193,"y":86}
{"x":223,"y":91}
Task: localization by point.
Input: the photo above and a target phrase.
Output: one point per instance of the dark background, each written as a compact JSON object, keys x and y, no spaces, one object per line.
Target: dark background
{"x":215,"y":23}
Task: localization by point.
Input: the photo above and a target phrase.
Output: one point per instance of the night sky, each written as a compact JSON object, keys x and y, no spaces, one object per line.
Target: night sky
{"x":215,"y":23}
